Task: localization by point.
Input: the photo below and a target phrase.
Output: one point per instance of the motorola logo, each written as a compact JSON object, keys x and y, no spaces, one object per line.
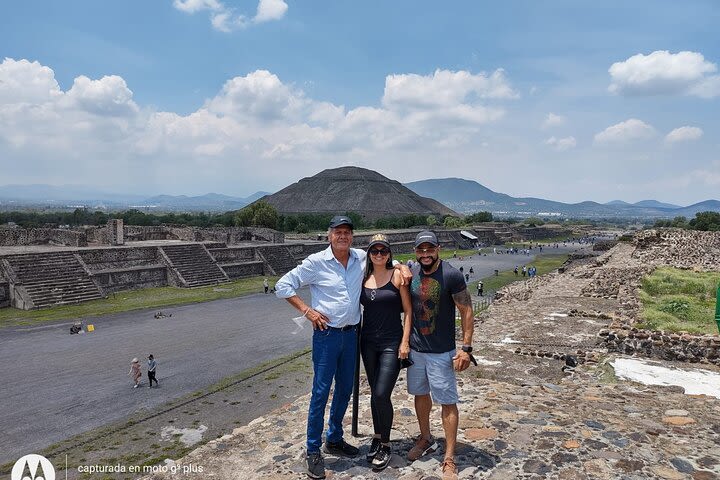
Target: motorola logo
{"x":33,"y":467}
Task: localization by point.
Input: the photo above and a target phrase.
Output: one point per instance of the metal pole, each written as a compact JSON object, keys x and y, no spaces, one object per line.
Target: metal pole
{"x":356,"y":385}
{"x":717,"y":308}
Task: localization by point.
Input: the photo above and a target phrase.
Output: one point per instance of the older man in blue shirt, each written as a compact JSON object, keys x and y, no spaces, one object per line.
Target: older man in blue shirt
{"x":335,"y":278}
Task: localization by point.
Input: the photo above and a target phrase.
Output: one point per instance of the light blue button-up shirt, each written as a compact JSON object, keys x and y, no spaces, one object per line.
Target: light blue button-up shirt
{"x":335,"y":289}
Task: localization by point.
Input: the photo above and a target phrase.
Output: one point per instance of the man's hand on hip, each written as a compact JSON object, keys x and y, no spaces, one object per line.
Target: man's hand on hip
{"x":319,"y":320}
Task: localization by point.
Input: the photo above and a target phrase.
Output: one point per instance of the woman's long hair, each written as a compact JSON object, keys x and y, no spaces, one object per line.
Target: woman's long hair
{"x":368,"y":262}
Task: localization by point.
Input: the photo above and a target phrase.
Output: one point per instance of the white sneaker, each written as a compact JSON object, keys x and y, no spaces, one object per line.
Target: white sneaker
{"x":135,"y":386}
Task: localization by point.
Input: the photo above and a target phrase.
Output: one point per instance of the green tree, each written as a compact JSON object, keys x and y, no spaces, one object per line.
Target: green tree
{"x":431,"y":220}
{"x":479,"y":217}
{"x":452,"y":222}
{"x":679,"y":222}
{"x":258,"y":214}
{"x":707,"y":221}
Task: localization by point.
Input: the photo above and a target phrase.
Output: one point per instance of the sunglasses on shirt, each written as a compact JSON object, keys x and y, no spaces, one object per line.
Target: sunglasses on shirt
{"x":379,"y":251}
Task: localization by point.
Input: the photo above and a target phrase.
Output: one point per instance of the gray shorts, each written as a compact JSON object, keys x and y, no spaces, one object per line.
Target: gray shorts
{"x":433,"y":373}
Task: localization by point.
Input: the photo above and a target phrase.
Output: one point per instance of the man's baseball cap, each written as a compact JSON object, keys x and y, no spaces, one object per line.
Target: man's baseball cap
{"x":338,"y":220}
{"x":426,"y":236}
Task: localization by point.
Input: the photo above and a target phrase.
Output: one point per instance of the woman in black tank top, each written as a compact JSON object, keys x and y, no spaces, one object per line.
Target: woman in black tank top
{"x":384,"y":340}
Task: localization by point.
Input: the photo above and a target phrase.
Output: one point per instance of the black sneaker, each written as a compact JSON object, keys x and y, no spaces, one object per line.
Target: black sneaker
{"x":374,"y":448}
{"x":382,"y":458}
{"x":341,"y":448}
{"x":315,"y":465}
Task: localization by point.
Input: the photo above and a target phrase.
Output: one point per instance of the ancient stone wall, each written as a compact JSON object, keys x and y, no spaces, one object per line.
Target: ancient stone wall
{"x":118,"y":258}
{"x":665,"y":345}
{"x":4,"y":293}
{"x":225,"y":255}
{"x":10,"y":237}
{"x":244,"y":270}
{"x":604,"y":245}
{"x":131,"y":279}
{"x":678,"y":248}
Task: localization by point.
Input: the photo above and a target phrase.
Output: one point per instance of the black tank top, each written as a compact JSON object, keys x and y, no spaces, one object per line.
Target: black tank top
{"x":381,"y":315}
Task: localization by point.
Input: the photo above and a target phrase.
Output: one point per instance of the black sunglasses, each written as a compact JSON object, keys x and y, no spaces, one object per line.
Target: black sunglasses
{"x":379,"y":251}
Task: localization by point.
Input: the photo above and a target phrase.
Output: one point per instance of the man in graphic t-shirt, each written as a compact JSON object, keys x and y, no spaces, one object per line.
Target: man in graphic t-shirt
{"x":437,"y":289}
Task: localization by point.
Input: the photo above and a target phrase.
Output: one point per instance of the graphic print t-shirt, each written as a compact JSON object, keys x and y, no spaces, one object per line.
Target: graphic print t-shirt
{"x":433,"y":326}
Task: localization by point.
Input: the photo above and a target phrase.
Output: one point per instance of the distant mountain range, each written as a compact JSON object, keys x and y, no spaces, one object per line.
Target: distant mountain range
{"x":467,"y":196}
{"x":74,"y":196}
{"x":460,"y":195}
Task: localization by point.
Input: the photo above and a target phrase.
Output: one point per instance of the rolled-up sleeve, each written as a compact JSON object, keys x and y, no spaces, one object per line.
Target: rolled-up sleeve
{"x":303,"y":274}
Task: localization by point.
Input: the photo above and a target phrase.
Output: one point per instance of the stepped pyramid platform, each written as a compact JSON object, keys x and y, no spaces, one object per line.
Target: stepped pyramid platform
{"x":43,"y":280}
{"x":278,"y":258}
{"x":192,"y":265}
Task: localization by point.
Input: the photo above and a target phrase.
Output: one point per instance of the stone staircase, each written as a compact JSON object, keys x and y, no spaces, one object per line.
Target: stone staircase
{"x":193,"y":265}
{"x":51,"y":279}
{"x":278,"y":258}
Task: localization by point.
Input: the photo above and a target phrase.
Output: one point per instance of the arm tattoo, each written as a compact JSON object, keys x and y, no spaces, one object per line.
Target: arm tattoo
{"x":462,"y":299}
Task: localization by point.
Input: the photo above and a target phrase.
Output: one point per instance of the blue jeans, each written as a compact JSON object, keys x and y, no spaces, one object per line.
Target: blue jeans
{"x":333,"y":356}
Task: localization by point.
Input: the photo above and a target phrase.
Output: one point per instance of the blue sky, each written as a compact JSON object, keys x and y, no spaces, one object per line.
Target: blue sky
{"x":565,"y":100}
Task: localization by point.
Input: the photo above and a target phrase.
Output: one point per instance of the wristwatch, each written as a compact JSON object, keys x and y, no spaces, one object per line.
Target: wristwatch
{"x":466,"y":348}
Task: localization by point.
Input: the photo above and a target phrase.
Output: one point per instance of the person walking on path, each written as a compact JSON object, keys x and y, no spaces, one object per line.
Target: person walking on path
{"x":152,"y":368}
{"x":480,"y":288}
{"x":266,"y":285}
{"x":335,"y":277}
{"x":436,"y":290}
{"x":384,"y":341}
{"x":135,"y":372}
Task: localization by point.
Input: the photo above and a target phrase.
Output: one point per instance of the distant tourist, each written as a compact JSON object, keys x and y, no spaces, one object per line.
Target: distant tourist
{"x":524,"y":270}
{"x":480,"y":288}
{"x":266,"y":285}
{"x":385,"y":341}
{"x":135,"y":372}
{"x":152,"y":368}
{"x":516,"y":270}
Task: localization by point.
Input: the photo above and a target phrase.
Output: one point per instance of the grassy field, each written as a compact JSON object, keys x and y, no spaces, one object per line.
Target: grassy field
{"x":679,"y":300}
{"x":544,"y":263}
{"x":134,"y":300}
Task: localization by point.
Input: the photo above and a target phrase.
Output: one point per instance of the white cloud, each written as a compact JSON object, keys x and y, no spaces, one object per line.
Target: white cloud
{"x":553,"y":120}
{"x":260,"y":95}
{"x":561,"y":144}
{"x":444,"y":88}
{"x":96,"y":129}
{"x":107,"y":96}
{"x":684,"y":134}
{"x":270,"y":10}
{"x":226,"y":19}
{"x":27,"y":82}
{"x":192,"y":6}
{"x":665,"y":73}
{"x":624,"y":132}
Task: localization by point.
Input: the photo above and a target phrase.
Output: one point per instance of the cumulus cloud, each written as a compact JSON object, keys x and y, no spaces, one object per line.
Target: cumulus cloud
{"x":268,"y":10}
{"x":27,"y":82}
{"x":96,"y":129}
{"x":684,"y":134}
{"x":444,"y":88}
{"x":226,"y":19}
{"x":259,"y":95}
{"x":624,"y":132}
{"x":553,"y":120}
{"x":107,"y":96}
{"x":561,"y":144}
{"x":665,"y":73}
